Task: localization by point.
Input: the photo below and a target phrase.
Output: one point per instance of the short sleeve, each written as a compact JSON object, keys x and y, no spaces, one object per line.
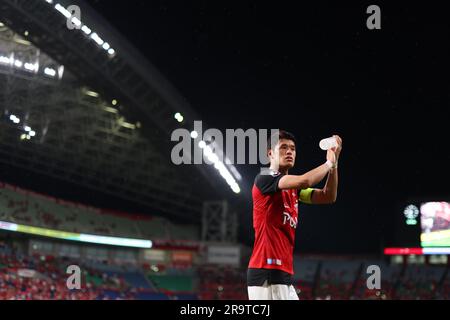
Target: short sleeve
{"x":268,"y":183}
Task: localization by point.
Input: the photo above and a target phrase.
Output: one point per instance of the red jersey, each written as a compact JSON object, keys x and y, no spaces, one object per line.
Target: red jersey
{"x":275,"y":218}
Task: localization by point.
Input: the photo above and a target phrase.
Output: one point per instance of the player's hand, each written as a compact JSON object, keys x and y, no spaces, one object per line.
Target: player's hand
{"x":337,"y":150}
{"x":331,"y":156}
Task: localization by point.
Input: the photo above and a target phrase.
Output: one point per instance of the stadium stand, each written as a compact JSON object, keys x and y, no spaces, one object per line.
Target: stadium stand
{"x":336,"y":278}
{"x":44,"y":277}
{"x":29,"y":208}
{"x":419,"y":282}
{"x":390,"y":273}
{"x":29,"y":277}
{"x":222,"y":283}
{"x":38,"y":272}
{"x":305,"y":276}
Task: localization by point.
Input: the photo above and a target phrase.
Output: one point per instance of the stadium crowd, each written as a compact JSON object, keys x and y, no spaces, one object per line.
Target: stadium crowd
{"x":24,"y":277}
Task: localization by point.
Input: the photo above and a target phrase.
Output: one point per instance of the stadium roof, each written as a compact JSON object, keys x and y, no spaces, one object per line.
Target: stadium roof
{"x":86,"y":107}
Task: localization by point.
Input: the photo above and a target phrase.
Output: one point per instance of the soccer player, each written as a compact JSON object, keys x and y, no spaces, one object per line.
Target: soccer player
{"x":275,"y":216}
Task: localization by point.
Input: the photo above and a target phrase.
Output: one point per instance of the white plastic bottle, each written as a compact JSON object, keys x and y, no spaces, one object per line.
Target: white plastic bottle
{"x":328,"y":143}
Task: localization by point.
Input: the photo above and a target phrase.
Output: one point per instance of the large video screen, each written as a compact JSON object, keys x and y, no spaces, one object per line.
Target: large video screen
{"x":435,"y":224}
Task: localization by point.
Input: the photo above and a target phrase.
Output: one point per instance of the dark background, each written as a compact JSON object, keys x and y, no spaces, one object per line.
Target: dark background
{"x":315,"y":70}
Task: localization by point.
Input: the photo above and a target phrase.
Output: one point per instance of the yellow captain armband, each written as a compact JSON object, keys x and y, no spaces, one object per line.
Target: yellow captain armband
{"x":305,"y":195}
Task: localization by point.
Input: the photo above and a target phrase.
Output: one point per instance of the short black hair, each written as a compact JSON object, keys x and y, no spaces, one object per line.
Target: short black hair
{"x":282,"y":134}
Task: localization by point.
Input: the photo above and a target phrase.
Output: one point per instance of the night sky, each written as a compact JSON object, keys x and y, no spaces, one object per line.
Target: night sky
{"x":315,"y":70}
